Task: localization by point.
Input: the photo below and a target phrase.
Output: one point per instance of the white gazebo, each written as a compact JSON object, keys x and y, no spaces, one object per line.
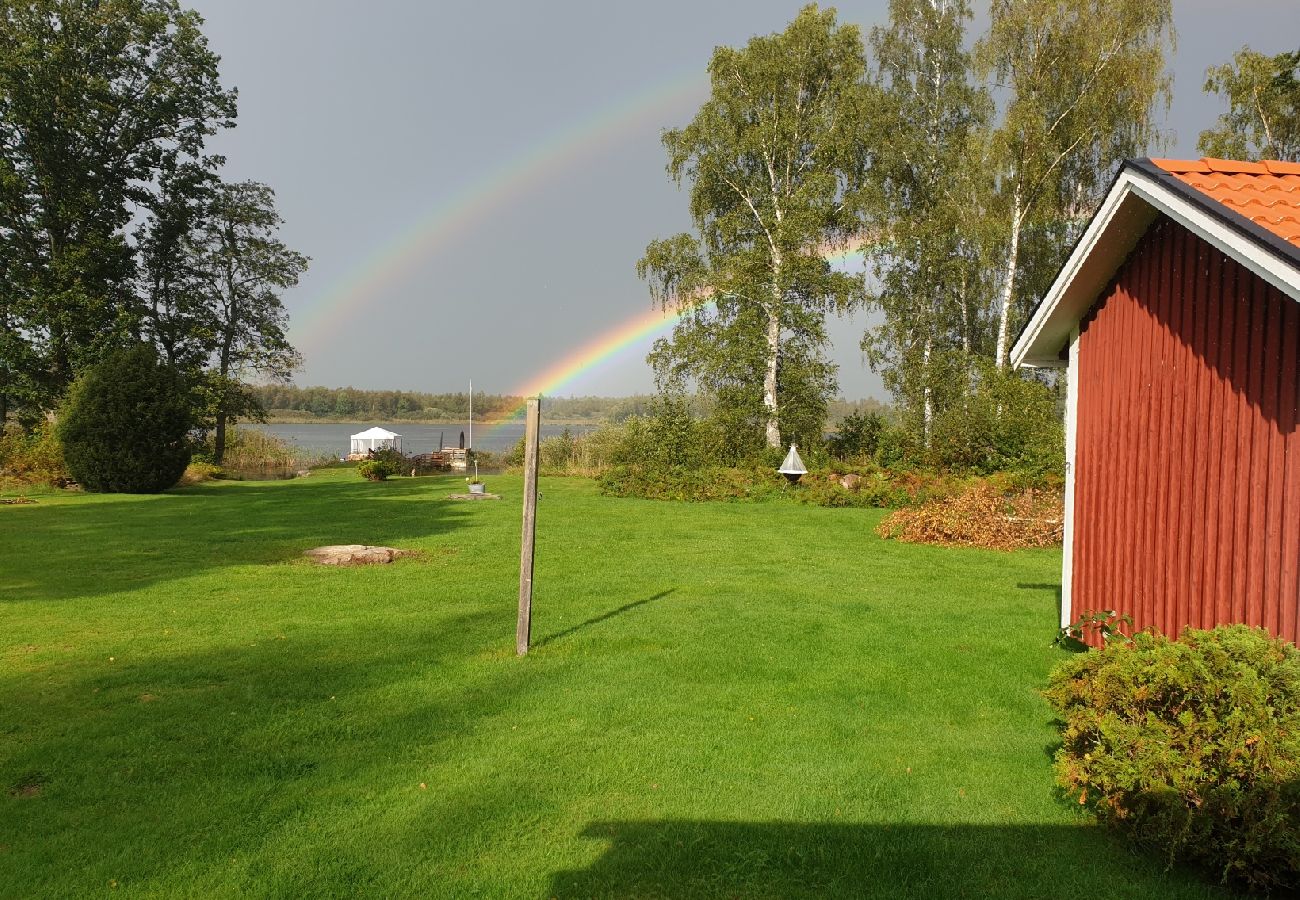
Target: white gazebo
{"x":375,"y":439}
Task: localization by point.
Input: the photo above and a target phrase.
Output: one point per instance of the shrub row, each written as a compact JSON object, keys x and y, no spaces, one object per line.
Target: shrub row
{"x":872,"y":487}
{"x":691,"y":483}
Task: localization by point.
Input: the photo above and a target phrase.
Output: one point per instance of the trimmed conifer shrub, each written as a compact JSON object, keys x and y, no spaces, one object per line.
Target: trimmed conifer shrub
{"x":1191,"y":746}
{"x":126,"y":423}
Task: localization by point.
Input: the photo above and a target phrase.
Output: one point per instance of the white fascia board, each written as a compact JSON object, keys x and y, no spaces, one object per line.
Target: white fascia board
{"x":1127,"y":212}
{"x":1072,"y":387}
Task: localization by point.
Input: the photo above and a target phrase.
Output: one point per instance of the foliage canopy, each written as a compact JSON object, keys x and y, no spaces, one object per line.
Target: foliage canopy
{"x":1263,"y":117}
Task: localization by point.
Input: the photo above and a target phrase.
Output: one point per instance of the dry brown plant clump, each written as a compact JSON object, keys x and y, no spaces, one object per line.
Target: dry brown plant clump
{"x":981,"y":516}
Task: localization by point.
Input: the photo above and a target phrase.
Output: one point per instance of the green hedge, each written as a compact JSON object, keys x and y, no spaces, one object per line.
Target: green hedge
{"x":1192,"y":746}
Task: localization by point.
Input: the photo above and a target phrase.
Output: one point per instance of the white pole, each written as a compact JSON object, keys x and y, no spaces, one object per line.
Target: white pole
{"x":471,"y":416}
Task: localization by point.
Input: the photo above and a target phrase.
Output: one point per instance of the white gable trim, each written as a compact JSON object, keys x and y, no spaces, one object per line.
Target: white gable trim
{"x":1071,"y":463}
{"x":1128,"y":210}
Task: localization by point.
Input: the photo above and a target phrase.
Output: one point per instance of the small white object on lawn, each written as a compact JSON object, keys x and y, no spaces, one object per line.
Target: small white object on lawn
{"x":793,"y":467}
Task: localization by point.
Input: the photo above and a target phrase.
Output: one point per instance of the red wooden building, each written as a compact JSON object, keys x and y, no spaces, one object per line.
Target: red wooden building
{"x":1178,"y":317}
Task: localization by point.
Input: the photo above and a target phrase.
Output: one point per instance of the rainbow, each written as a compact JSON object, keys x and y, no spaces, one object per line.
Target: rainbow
{"x":607,"y":347}
{"x":481,"y":196}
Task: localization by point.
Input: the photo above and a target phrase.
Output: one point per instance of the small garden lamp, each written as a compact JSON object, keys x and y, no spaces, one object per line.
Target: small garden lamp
{"x":793,"y":468}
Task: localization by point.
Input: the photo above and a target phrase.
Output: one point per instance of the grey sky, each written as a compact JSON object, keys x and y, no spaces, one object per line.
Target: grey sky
{"x":370,"y":120}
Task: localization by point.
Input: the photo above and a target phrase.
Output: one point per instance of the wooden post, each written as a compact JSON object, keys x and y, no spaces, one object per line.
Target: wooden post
{"x":523,"y":630}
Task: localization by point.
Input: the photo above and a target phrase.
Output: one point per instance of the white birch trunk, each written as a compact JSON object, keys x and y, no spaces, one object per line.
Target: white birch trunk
{"x":927,"y":402}
{"x":965,"y":319}
{"x":1009,"y":284}
{"x":769,"y":373}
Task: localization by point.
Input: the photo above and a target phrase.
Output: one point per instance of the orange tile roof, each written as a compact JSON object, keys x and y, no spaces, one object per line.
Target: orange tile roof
{"x":1267,"y":193}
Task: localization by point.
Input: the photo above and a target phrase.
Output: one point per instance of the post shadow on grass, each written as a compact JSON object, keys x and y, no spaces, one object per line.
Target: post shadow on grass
{"x":123,"y":543}
{"x":790,"y":860}
{"x":143,"y":768}
{"x":603,"y":617}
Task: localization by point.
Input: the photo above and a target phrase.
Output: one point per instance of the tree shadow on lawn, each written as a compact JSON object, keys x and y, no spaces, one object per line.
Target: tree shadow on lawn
{"x":123,"y":543}
{"x":784,"y":860}
{"x":162,"y":770}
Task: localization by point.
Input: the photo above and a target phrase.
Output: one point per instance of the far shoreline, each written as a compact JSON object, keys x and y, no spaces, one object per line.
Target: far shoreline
{"x":277,"y":420}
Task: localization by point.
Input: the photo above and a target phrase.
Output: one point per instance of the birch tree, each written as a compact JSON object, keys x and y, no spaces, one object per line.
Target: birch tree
{"x":772,"y":160}
{"x":1263,"y":117}
{"x":930,"y":189}
{"x":1082,"y":80}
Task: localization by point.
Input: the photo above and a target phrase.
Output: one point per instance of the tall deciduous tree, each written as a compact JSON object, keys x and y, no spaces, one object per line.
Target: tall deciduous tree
{"x":1083,"y":79}
{"x":240,"y":267}
{"x":95,"y":97}
{"x":1263,"y":117}
{"x":928,"y":206}
{"x":772,"y":159}
{"x":176,"y":311}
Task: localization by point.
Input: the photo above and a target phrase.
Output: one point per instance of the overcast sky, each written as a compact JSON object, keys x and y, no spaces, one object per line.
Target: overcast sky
{"x":475,"y":181}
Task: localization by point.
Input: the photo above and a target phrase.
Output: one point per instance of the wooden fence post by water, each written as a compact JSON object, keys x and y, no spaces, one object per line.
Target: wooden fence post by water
{"x":523,"y":630}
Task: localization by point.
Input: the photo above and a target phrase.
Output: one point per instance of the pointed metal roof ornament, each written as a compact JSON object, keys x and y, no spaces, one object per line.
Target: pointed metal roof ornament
{"x":793,"y":468}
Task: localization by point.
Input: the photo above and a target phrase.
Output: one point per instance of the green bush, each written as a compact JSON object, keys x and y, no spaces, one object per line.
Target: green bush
{"x":126,"y":423}
{"x":35,"y":457}
{"x":382,"y":464}
{"x":375,"y":470}
{"x":1005,"y":423}
{"x":1192,"y":746}
{"x":198,"y":472}
{"x":857,"y":436}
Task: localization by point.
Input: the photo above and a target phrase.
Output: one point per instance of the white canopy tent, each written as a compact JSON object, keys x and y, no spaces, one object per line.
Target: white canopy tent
{"x":375,"y":439}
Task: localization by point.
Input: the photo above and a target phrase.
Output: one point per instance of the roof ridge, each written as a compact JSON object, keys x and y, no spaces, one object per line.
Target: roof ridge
{"x":1212,"y":165}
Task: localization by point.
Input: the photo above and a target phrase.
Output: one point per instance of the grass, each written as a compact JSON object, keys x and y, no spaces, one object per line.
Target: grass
{"x":755,"y":700}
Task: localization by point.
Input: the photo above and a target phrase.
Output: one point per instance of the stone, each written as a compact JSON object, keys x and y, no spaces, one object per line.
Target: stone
{"x":850,"y":481}
{"x":355,"y":555}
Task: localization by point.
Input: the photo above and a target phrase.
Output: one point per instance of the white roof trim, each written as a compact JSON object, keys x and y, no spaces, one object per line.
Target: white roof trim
{"x":1126,"y":213}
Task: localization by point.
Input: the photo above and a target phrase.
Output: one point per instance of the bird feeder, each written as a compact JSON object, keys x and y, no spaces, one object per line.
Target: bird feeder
{"x":793,"y":468}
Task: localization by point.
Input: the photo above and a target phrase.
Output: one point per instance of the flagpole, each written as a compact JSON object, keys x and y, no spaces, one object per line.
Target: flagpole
{"x":471,"y":414}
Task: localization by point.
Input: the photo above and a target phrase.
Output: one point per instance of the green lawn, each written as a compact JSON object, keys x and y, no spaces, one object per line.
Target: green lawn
{"x":725,"y":700}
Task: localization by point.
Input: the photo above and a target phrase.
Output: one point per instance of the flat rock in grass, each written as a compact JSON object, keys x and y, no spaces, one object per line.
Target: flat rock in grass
{"x":355,"y":555}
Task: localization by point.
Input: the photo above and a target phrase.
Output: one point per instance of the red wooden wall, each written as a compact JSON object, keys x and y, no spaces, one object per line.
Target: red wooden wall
{"x":1187,"y":475}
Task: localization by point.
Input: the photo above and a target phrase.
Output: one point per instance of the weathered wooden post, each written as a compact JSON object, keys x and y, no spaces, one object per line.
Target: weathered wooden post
{"x":523,"y":630}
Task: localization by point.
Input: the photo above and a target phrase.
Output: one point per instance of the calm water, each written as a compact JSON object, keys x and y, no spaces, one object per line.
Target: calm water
{"x":334,"y":439}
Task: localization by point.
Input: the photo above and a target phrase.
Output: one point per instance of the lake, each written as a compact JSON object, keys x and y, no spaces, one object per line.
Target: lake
{"x":335,"y":438}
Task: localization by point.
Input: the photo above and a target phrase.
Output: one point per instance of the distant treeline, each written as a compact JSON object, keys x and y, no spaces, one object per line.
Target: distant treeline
{"x":355,"y":405}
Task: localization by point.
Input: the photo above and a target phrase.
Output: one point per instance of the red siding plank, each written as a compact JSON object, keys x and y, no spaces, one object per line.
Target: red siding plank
{"x":1271,"y":504}
{"x":1223,"y":420}
{"x":1256,"y":489}
{"x":1240,"y":429}
{"x":1158,"y":436}
{"x":1289,"y":397}
{"x":1211,"y":413}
